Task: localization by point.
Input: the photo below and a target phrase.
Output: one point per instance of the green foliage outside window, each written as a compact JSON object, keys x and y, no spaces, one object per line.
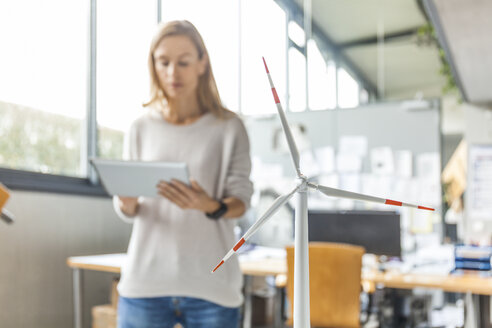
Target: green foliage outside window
{"x":40,"y":141}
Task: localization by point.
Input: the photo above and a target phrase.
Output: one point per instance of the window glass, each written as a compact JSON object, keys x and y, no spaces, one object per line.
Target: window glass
{"x":322,"y":80}
{"x":296,"y":34}
{"x":43,"y":85}
{"x":348,"y":90}
{"x":122,"y":73}
{"x":297,"y":80}
{"x":263,"y":34}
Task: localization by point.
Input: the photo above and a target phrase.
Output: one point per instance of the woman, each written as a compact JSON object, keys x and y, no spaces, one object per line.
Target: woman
{"x":179,"y":237}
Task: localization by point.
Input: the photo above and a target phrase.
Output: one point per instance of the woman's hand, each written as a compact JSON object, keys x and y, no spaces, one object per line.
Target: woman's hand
{"x":128,"y":205}
{"x":188,"y":197}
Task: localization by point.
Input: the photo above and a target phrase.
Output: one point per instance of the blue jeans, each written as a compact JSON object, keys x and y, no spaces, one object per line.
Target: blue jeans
{"x":165,"y":312}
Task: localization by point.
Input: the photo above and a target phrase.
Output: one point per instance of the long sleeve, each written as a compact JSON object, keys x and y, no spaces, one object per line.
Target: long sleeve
{"x":119,"y":212}
{"x":237,"y":182}
{"x":130,"y":152}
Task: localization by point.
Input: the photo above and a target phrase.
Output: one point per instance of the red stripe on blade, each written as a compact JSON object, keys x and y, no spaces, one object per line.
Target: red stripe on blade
{"x":426,"y":208}
{"x":393,"y":202}
{"x":264,"y":62}
{"x":239,"y":244}
{"x":222,"y":262}
{"x":275,"y":96}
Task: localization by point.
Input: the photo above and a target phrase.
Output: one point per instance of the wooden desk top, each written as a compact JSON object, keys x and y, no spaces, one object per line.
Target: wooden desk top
{"x":450,"y":283}
{"x":278,"y":267}
{"x":104,"y":262}
{"x":113,"y":263}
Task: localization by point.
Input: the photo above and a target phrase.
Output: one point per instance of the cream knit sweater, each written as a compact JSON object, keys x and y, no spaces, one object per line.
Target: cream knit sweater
{"x":172,"y":251}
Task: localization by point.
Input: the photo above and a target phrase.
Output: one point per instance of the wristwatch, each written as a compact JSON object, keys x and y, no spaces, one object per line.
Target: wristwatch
{"x":219,"y":212}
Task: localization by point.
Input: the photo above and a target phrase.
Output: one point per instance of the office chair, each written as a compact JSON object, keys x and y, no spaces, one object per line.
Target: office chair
{"x":335,"y":283}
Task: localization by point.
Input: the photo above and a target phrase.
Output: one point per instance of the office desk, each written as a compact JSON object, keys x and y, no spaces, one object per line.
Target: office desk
{"x":113,"y":262}
{"x":472,"y":285}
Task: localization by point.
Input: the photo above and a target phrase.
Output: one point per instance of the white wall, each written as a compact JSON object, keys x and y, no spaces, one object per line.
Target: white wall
{"x":384,"y":124}
{"x":35,"y":282}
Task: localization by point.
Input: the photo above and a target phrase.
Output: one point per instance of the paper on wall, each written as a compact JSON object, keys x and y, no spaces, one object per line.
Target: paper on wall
{"x":320,"y":201}
{"x":428,"y":174}
{"x":429,"y":165}
{"x":356,"y":145}
{"x":308,"y":164}
{"x":480,"y":182}
{"x":349,"y":163}
{"x":403,"y":163}
{"x":325,"y":157}
{"x":382,"y":161}
{"x":377,"y":186}
{"x":348,"y":182}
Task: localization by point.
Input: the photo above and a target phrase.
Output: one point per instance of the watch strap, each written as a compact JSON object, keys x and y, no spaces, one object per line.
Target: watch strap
{"x":217,"y":214}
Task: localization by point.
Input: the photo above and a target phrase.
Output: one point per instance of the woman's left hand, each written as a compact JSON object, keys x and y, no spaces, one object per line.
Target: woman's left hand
{"x":187,"y":197}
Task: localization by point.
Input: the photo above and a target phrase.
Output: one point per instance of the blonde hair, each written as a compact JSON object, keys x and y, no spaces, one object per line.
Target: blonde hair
{"x":207,"y":92}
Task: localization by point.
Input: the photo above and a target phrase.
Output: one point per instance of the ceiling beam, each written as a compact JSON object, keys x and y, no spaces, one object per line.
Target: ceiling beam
{"x":374,"y":39}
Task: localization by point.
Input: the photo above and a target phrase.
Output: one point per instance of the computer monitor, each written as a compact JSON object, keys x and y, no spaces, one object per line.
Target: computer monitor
{"x":377,"y":231}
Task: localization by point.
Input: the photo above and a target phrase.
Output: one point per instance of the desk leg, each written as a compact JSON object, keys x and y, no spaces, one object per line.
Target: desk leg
{"x":77,"y":297}
{"x":248,"y":301}
{"x":277,"y":308}
{"x":485,"y":304}
{"x":472,"y":305}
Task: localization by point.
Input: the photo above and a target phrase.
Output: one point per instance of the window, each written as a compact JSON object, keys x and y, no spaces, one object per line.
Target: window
{"x":297,"y":80}
{"x":348,"y":90}
{"x":322,"y":80}
{"x":296,"y":34}
{"x":122,"y":72}
{"x":44,"y":76}
{"x":263,"y":34}
{"x":43,"y":85}
{"x":363,"y":96}
{"x":217,"y":22}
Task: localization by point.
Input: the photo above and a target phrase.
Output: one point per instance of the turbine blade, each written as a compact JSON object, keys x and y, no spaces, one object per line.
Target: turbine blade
{"x":280,"y":201}
{"x":352,"y":195}
{"x":288,"y":134}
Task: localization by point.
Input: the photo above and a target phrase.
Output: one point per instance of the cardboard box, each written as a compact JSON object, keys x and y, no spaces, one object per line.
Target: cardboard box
{"x":104,"y":316}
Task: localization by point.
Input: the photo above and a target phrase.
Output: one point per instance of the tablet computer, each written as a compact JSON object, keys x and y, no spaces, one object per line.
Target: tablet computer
{"x":135,"y":178}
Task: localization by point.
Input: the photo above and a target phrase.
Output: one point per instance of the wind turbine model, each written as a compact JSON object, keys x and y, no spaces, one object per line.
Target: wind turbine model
{"x":301,"y":262}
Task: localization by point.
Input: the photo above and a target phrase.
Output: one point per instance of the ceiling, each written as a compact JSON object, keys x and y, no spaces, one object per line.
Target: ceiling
{"x":406,"y":69}
{"x":464,"y":29}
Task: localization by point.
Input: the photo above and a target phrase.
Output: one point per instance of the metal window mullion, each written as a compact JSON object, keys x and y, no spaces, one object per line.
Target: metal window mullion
{"x":159,"y":11}
{"x":294,"y":45}
{"x":91,"y":105}
{"x":286,"y":9}
{"x":287,"y":46}
{"x":336,"y":82}
{"x":307,"y":37}
{"x":240,"y":71}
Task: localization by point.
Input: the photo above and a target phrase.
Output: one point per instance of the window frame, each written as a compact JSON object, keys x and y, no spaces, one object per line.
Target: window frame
{"x":16,"y":179}
{"x":35,"y":181}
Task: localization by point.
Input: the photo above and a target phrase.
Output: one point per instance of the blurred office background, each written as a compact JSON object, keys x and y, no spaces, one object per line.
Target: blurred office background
{"x":387,"y":98}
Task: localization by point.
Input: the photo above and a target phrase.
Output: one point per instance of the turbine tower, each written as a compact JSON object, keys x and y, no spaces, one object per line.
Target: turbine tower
{"x":301,"y":314}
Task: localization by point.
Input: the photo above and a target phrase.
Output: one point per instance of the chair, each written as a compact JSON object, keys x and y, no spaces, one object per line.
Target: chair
{"x":335,"y":283}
